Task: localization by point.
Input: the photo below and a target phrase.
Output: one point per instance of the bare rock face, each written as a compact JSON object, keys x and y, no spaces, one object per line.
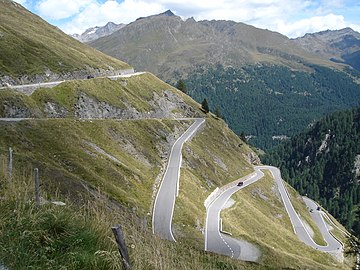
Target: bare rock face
{"x":253,"y":158}
{"x":53,"y":110}
{"x":168,"y":105}
{"x":88,"y":107}
{"x":2,"y":267}
{"x":49,"y":76}
{"x":13,"y":111}
{"x":97,"y":32}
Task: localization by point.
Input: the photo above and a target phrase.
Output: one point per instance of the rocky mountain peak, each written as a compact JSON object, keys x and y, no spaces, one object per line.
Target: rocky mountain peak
{"x":167,"y":13}
{"x":96,"y":32}
{"x":337,"y":45}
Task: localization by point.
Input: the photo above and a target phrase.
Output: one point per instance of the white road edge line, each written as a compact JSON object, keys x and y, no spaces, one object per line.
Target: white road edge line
{"x":297,"y":215}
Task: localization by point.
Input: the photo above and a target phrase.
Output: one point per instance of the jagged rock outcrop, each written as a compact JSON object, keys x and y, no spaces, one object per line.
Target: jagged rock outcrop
{"x":167,"y":105}
{"x":96,"y":32}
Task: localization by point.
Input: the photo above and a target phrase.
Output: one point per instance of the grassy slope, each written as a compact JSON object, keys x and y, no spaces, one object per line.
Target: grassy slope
{"x":29,"y":45}
{"x":82,"y":233}
{"x":57,"y":147}
{"x":260,"y":217}
{"x":61,"y":149}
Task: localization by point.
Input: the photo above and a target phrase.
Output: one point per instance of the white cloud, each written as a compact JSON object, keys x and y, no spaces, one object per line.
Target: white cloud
{"x":56,"y":10}
{"x":99,"y":14}
{"x":313,"y":24}
{"x":289,"y":17}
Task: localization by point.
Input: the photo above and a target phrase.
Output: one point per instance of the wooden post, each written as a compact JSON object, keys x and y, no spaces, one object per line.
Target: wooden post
{"x":120,"y":240}
{"x":10,"y":162}
{"x":37,"y":187}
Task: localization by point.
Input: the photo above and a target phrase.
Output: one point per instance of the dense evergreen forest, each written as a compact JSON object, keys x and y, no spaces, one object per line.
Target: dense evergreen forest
{"x":324,"y":163}
{"x":270,"y":100}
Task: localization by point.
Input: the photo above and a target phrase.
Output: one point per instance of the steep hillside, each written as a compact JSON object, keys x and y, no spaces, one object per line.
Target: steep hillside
{"x":323,"y":162}
{"x":342,"y":46}
{"x":170,"y":47}
{"x":33,"y":51}
{"x":118,"y":164}
{"x":102,"y":147}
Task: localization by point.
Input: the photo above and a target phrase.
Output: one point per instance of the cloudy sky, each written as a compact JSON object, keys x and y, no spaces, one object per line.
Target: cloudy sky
{"x":290,"y":17}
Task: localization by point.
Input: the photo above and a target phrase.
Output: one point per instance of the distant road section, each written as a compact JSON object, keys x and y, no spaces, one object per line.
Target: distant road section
{"x":333,"y":245}
{"x":218,"y":242}
{"x":165,"y":199}
{"x":28,"y":89}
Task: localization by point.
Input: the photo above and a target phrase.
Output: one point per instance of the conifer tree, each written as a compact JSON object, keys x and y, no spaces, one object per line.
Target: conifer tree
{"x":218,"y":112}
{"x":205,"y":106}
{"x":181,"y":86}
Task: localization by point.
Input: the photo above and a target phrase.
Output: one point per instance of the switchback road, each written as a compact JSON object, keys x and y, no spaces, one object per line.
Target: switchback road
{"x":217,"y":242}
{"x":165,"y":199}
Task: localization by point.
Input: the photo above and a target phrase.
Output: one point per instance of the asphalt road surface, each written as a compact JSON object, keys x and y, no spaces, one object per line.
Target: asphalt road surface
{"x":218,"y":242}
{"x":332,"y":244}
{"x":317,"y":216}
{"x":165,"y":199}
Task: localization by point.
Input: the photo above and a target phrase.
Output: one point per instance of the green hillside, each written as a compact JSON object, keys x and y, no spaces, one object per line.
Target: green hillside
{"x":323,"y":162}
{"x":30,"y":47}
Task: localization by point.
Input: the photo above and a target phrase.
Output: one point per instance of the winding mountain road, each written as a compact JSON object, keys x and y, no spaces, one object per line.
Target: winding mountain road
{"x":218,"y":242}
{"x":317,"y":215}
{"x":300,"y":230}
{"x":169,"y":188}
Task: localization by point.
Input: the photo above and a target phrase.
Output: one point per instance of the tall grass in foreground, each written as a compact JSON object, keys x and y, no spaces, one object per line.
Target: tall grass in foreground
{"x":79,"y":236}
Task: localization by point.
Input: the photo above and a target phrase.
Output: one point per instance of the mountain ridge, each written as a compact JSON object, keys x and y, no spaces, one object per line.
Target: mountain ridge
{"x":187,"y":44}
{"x":342,"y":46}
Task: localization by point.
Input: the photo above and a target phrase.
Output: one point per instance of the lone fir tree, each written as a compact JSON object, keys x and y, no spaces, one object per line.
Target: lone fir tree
{"x":181,"y":86}
{"x":205,"y":106}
